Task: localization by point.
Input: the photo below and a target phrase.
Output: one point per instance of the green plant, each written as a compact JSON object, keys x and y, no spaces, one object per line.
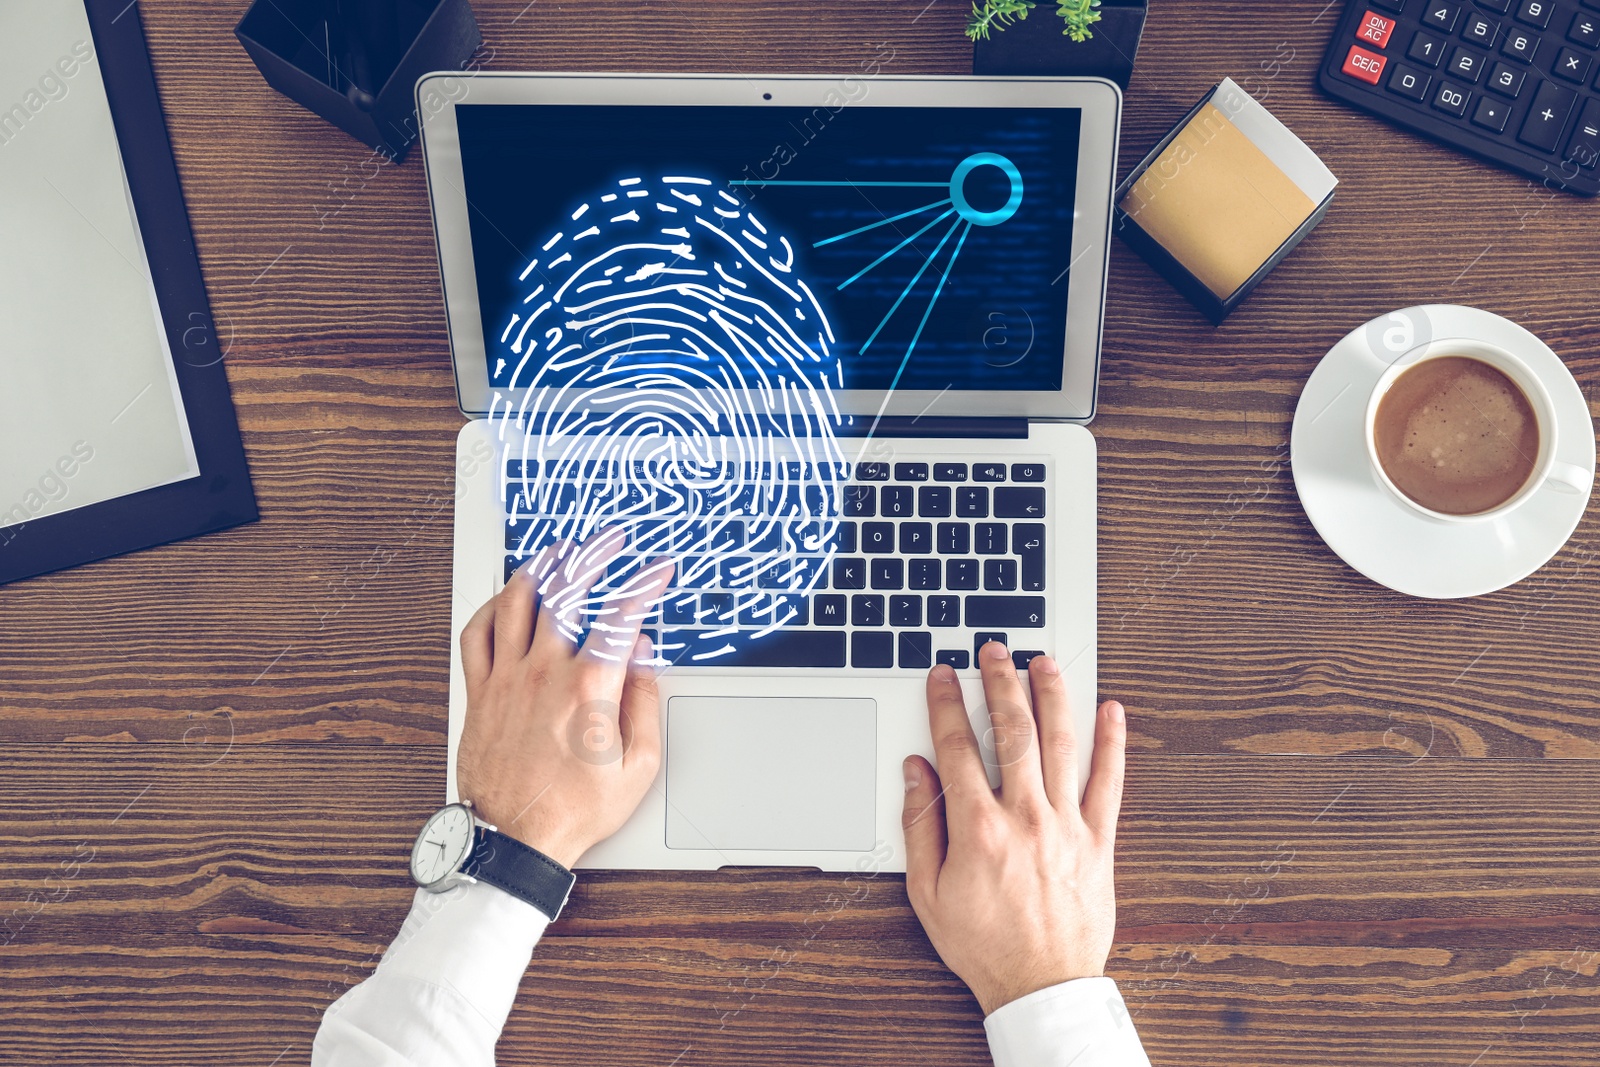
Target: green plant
{"x":993,"y":15}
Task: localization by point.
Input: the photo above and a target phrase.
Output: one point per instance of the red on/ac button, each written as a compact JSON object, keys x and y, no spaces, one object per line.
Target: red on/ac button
{"x":1375,"y":29}
{"x":1363,"y":64}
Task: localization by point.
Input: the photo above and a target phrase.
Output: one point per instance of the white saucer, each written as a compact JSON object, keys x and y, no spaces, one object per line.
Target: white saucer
{"x":1375,"y":533}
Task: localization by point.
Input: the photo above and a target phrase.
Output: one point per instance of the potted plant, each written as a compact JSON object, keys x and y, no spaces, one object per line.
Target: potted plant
{"x":1097,"y":38}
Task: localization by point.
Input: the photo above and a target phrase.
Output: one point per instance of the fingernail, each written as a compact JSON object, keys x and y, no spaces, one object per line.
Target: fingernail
{"x":944,"y":673}
{"x":913,"y":776}
{"x":1116,"y":711}
{"x":1044,"y":665}
{"x":996,"y":651}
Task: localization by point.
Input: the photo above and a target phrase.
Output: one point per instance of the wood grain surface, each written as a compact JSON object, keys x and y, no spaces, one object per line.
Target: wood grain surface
{"x":1360,"y":827}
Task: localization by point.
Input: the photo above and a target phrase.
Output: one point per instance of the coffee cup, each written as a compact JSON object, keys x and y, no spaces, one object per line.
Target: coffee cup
{"x":1525,"y":435}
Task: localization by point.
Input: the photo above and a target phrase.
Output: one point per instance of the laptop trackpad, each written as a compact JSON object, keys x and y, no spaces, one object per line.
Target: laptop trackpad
{"x":778,"y":773}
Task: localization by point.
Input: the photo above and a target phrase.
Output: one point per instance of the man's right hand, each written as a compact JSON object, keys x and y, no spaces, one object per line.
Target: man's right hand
{"x":1014,"y":887}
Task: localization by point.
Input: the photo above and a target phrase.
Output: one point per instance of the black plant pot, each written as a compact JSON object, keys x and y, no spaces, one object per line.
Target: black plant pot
{"x":1036,"y":46}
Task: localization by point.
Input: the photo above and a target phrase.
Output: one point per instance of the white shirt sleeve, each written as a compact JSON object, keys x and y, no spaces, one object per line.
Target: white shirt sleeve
{"x":443,"y":989}
{"x":1082,"y":1023}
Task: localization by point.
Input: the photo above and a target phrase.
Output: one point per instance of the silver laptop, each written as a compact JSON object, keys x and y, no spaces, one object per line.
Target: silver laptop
{"x":825,"y":343}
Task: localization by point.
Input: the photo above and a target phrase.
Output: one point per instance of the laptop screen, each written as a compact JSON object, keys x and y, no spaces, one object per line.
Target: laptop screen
{"x":921,"y":248}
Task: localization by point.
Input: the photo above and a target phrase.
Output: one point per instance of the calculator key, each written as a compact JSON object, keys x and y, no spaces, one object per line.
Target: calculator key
{"x":981,"y":639}
{"x":1520,"y":45}
{"x":872,"y":472}
{"x":944,"y":611}
{"x":1506,"y":80}
{"x":1027,"y":472}
{"x":991,"y":538}
{"x":896,"y":501}
{"x":916,"y":650}
{"x":1027,"y":540}
{"x":916,"y":538}
{"x":870,"y":649}
{"x":933,"y":501}
{"x":1492,"y":114}
{"x":850,"y":573}
{"x":866,"y":609}
{"x":1548,"y":116}
{"x":1000,"y":575}
{"x":1584,"y":148}
{"x":888,"y":573}
{"x":923,"y":573}
{"x":1426,"y":48}
{"x":1019,"y":503}
{"x":877,"y":537}
{"x":1573,"y":65}
{"x":1375,"y":29}
{"x":1363,"y":65}
{"x":949,"y":472}
{"x":1480,"y":30}
{"x":829,"y":609}
{"x":905,"y":611}
{"x":961,"y":574}
{"x":1409,"y":82}
{"x":1448,"y":98}
{"x":988,"y":472}
{"x":972,"y":502}
{"x":1466,"y":64}
{"x":1441,"y":15}
{"x":1585,"y":30}
{"x":910,"y":472}
{"x":955,"y":538}
{"x":954,"y":658}
{"x":1535,"y":13}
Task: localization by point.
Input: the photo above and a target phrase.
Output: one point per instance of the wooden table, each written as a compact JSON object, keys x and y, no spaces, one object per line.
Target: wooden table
{"x":1360,"y":828}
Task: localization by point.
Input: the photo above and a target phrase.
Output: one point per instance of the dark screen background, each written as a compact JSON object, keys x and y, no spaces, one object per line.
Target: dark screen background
{"x":997,"y":325}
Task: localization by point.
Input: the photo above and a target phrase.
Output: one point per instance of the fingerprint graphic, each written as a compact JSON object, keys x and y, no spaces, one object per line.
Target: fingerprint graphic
{"x":685,"y":377}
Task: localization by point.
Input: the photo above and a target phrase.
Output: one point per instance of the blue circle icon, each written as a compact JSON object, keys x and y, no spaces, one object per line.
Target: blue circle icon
{"x":959,"y":197}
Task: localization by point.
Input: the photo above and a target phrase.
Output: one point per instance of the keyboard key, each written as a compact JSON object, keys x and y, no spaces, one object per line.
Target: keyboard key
{"x":955,"y":538}
{"x":737,"y":572}
{"x":1506,"y":80}
{"x":1441,"y":15}
{"x":991,"y":538}
{"x":782,"y":648}
{"x":1551,"y":106}
{"x":1009,"y":611}
{"x":866,"y":609}
{"x":1020,"y":660}
{"x":949,"y":472}
{"x":1584,"y":148}
{"x":1019,"y":503}
{"x":1492,"y":114}
{"x":910,"y":472}
{"x":1585,"y":30}
{"x":716,"y":609}
{"x":933,"y":501}
{"x":872,"y":472}
{"x":1573,"y":65}
{"x":777,"y":610}
{"x":1027,"y":540}
{"x":1520,"y":45}
{"x":872,"y":649}
{"x":981,"y":639}
{"x":999,"y":575}
{"x":844,"y":538}
{"x":1374,"y":29}
{"x":988,"y":472}
{"x":727,"y":535}
{"x":905,"y":611}
{"x":888,"y":574}
{"x":860,"y":500}
{"x":961,"y":574}
{"x":877,"y":537}
{"x":954,"y":658}
{"x":1426,"y":48}
{"x":829,"y":609}
{"x":916,"y":538}
{"x":1027,"y":472}
{"x":972,"y":502}
{"x":1480,"y":30}
{"x":1536,"y":13}
{"x":850,"y":573}
{"x":1409,"y":82}
{"x":1448,"y":98}
{"x":897,"y":501}
{"x":916,"y":650}
{"x":1466,"y":64}
{"x":678,"y":609}
{"x":944,"y":611}
{"x":923,"y":573}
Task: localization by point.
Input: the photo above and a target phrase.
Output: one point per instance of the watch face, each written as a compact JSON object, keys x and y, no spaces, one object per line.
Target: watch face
{"x":443,"y":845}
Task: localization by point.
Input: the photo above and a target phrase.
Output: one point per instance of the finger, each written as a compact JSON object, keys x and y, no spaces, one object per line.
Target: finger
{"x":477,"y":645}
{"x":513,"y":615}
{"x":566,"y":589}
{"x":966,"y":784}
{"x":1015,"y":747}
{"x":641,"y":711}
{"x":615,"y":630}
{"x":1058,"y":742}
{"x":922,"y":819}
{"x":1103,"y":798}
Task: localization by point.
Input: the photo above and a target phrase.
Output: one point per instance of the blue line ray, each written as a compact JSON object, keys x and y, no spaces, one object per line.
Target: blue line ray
{"x":925,"y":315}
{"x":954,"y":226}
{"x":897,"y":248}
{"x":881,"y":222}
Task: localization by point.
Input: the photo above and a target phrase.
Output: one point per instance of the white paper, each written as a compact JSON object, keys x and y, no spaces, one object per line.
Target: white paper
{"x":89,"y":401}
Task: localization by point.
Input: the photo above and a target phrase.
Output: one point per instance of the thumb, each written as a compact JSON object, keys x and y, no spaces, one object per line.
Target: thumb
{"x":923,"y":822}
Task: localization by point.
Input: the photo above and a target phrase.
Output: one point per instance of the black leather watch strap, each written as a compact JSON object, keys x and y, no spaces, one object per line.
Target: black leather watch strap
{"x":525,"y":873}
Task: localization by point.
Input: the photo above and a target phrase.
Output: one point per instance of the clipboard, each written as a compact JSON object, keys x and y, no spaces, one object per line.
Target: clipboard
{"x":221,"y":495}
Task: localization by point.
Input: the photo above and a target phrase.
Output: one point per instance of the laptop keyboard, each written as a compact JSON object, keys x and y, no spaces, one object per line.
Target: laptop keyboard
{"x":930,"y":560}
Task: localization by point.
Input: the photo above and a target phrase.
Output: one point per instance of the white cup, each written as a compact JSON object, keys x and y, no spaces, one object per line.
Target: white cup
{"x":1547,"y":470}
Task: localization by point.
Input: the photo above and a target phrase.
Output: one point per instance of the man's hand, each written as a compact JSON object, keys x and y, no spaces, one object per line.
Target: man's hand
{"x":1014,"y":888}
{"x":560,"y":743}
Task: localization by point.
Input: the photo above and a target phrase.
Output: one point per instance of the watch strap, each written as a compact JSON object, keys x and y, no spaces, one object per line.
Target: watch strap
{"x":525,"y":873}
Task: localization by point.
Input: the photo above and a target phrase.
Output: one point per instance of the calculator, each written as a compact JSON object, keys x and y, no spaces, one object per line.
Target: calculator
{"x":1516,"y":82}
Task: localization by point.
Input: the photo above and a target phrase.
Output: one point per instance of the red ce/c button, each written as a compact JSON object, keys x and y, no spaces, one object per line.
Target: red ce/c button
{"x":1363,"y":64}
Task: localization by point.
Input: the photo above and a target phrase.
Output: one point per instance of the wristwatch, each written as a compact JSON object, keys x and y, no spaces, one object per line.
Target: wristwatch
{"x":456,"y":847}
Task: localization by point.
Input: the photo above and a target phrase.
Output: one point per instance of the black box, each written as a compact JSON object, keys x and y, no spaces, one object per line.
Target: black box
{"x":356,"y":62}
{"x":1213,"y":307}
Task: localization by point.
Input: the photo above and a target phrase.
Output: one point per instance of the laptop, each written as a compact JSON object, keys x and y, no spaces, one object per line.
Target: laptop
{"x":827,"y":344}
